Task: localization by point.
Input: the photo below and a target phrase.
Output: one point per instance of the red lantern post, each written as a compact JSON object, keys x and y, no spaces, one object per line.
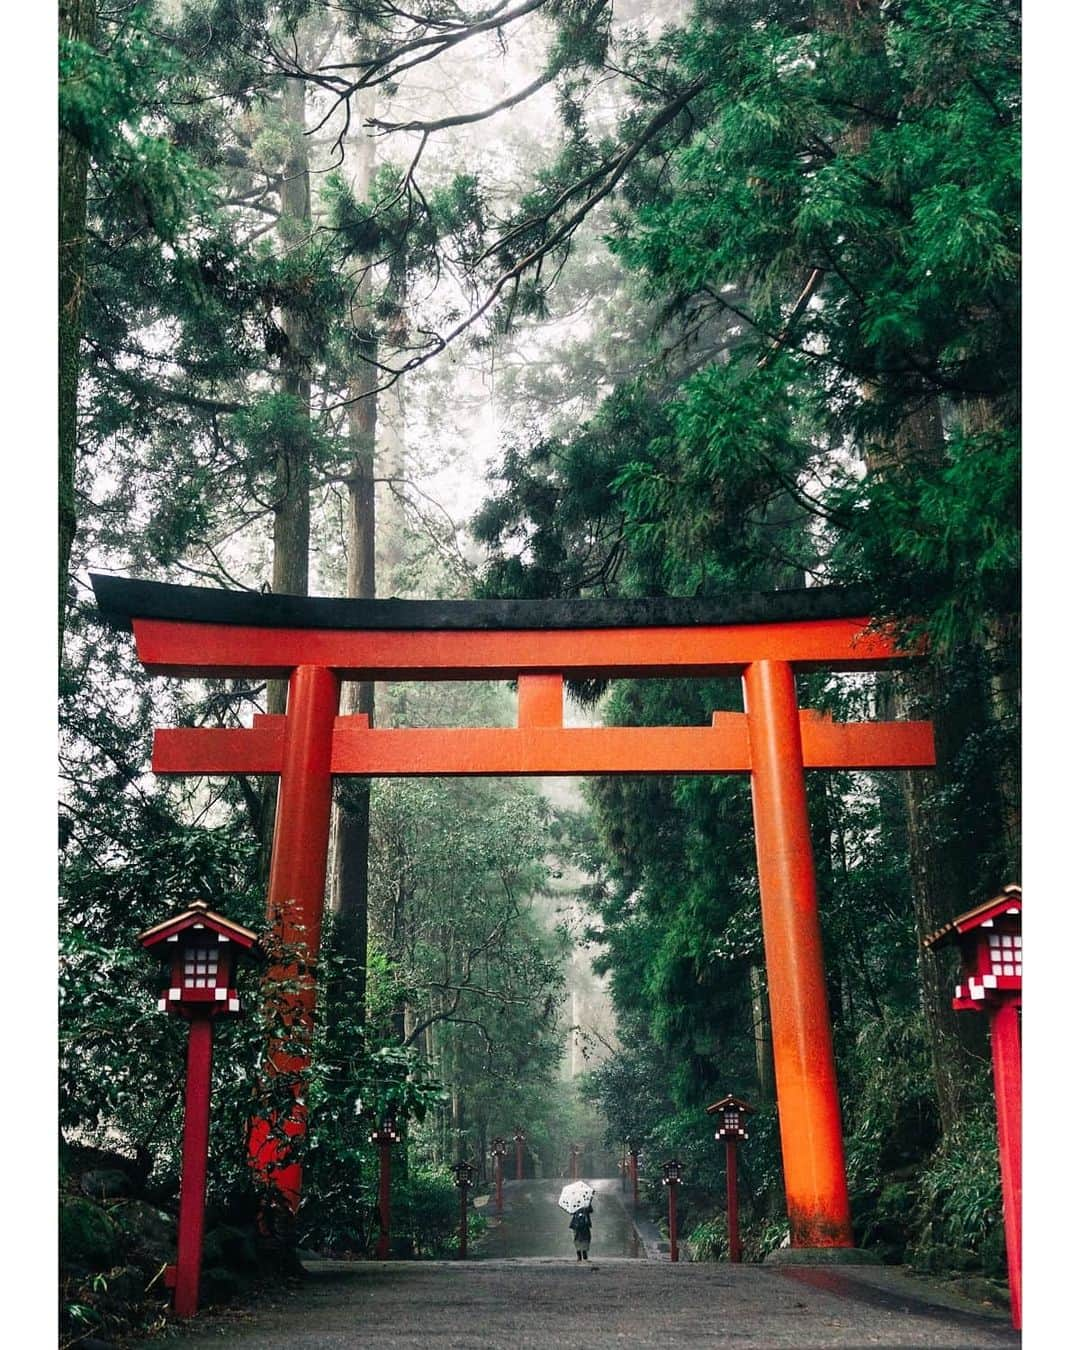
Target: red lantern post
{"x":202,"y":947}
{"x":673,"y":1170}
{"x":498,"y":1152}
{"x":463,"y":1173}
{"x":519,"y":1145}
{"x":731,"y":1127}
{"x":386,"y":1136}
{"x":989,"y":939}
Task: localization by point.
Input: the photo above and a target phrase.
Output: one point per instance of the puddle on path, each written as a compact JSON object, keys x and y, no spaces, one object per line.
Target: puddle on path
{"x":532,"y":1224}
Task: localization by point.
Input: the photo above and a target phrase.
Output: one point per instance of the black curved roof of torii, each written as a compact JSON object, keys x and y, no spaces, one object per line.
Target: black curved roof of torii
{"x":122,"y":599}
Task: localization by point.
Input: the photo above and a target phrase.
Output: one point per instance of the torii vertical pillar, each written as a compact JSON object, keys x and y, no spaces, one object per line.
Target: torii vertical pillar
{"x":811,"y":1139}
{"x":298,"y":880}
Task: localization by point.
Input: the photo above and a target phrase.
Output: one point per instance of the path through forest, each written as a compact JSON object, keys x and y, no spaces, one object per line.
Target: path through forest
{"x":528,"y":1292}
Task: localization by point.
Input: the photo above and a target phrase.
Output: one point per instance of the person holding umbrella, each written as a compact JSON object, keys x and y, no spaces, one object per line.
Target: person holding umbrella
{"x":577,"y":1200}
{"x":581,"y":1227}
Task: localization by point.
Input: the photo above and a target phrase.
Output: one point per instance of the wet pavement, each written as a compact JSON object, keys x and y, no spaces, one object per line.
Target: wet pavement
{"x":525,"y":1290}
{"x":532,"y":1224}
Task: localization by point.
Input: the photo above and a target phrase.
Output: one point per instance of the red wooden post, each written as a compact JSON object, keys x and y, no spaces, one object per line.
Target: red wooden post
{"x":298,"y":880}
{"x":734,"y":1241}
{"x":382,"y":1250}
{"x":672,"y":1174}
{"x":463,"y":1223}
{"x":991,"y":953}
{"x":807,"y":1096}
{"x":519,"y":1144}
{"x":202,"y":948}
{"x":193,"y":1165}
{"x":731,"y":1115}
{"x":1005,"y":1052}
{"x":634,"y":1174}
{"x":498,"y":1152}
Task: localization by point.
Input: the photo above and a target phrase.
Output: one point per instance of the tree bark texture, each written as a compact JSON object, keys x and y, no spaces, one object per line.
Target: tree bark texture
{"x":78,"y":23}
{"x":292,"y":486}
{"x":942,"y":874}
{"x":350,"y":883}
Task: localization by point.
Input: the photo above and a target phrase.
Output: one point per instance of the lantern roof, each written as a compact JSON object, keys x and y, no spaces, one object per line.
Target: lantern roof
{"x":199,"y":915}
{"x":982,"y":916}
{"x":730,"y":1100}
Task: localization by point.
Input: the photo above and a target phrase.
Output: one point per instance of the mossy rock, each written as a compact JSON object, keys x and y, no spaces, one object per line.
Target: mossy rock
{"x":149,"y":1231}
{"x":231,"y":1247}
{"x":89,"y":1240}
{"x":218,"y":1284}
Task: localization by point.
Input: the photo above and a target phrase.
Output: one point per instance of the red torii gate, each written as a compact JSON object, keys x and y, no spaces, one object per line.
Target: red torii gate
{"x":764,"y":638}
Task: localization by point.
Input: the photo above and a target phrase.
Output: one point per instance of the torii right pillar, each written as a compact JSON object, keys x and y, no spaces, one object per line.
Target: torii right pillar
{"x":811,"y":1138}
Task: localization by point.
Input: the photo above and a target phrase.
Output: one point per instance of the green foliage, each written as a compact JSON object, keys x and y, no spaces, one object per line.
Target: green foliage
{"x":959,"y":1197}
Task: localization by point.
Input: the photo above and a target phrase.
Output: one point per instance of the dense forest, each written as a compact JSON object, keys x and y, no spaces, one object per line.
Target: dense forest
{"x":557,"y":298}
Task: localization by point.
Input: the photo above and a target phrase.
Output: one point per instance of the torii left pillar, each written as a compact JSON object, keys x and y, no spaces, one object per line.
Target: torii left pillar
{"x":297,"y":882}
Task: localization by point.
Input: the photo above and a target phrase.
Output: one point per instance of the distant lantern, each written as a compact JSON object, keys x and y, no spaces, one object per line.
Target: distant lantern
{"x":731,"y":1114}
{"x":519,"y":1146}
{"x":463,"y":1175}
{"x":201,"y":948}
{"x":498,"y":1152}
{"x":672,"y":1172}
{"x":991,"y":959}
{"x":730,"y":1128}
{"x":385,"y":1134}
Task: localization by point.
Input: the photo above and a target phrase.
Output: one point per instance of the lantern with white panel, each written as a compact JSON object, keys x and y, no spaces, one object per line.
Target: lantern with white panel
{"x":201,"y":948}
{"x":730,"y":1127}
{"x":991,"y":960}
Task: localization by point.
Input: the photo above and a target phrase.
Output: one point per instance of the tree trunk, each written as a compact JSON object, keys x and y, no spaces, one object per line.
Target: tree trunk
{"x":353,"y":808}
{"x":938,"y":883}
{"x":292,"y":484}
{"x":78,"y":23}
{"x":762,"y":1036}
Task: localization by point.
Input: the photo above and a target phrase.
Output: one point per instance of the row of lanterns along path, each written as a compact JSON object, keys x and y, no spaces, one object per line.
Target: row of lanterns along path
{"x":731,"y":1113}
{"x":201,"y":948}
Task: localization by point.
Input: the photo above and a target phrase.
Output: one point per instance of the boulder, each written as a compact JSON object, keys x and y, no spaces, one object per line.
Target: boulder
{"x":89,"y":1240}
{"x":231,"y":1247}
{"x":105,"y":1183}
{"x":149,"y":1231}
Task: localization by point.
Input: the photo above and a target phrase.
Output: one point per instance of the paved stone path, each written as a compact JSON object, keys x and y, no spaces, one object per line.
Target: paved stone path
{"x":521,"y":1297}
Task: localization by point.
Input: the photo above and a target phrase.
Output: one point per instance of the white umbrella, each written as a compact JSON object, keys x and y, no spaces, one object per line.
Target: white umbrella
{"x":577,"y":1195}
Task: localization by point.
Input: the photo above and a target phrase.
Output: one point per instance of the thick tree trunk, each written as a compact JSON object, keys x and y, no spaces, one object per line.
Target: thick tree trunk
{"x":938,"y":880}
{"x":78,"y":23}
{"x":292,"y":484}
{"x":353,"y":807}
{"x":1002,"y":647}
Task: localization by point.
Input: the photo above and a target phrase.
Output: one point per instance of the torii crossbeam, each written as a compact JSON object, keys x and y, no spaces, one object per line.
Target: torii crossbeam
{"x":765,"y":639}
